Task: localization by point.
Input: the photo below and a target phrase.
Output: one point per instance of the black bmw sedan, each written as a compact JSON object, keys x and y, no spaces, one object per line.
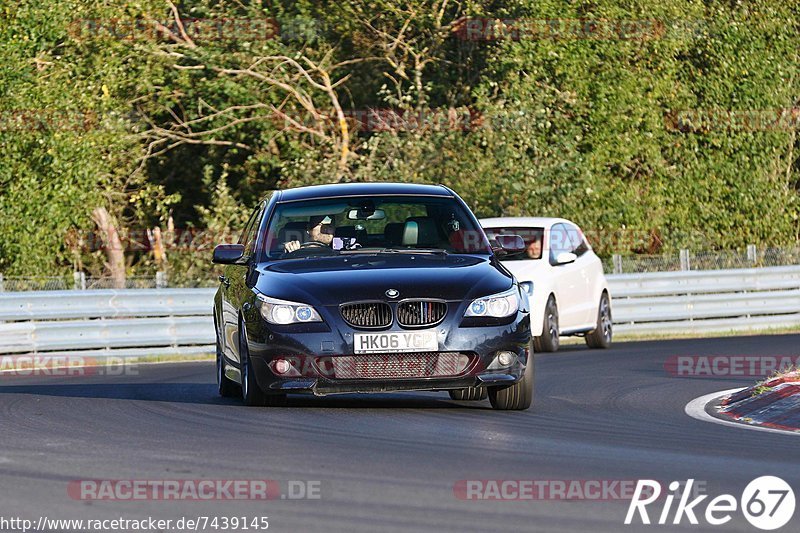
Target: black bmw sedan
{"x":370,"y":287}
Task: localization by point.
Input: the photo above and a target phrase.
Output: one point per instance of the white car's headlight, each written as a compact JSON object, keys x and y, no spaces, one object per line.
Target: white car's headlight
{"x":283,"y":312}
{"x":496,"y":305}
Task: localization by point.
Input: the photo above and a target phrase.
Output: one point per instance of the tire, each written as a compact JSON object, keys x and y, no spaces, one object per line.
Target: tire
{"x":469,"y":394}
{"x":549,"y":341}
{"x":601,"y":336}
{"x":252,"y":395}
{"x":516,"y":397}
{"x":226,"y":387}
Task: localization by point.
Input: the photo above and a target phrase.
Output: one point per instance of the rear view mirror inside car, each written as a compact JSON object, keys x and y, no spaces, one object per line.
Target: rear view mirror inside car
{"x":366,"y":214}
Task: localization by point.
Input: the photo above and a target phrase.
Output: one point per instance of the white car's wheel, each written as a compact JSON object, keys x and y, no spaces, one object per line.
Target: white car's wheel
{"x":548,"y":342}
{"x":600,"y":337}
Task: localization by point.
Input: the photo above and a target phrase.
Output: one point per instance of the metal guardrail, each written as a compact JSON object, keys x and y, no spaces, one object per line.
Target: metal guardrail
{"x":104,"y":321}
{"x":706,"y":301}
{"x":179,"y":320}
{"x":133,"y":303}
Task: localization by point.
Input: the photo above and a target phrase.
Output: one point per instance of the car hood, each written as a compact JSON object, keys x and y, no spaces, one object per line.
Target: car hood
{"x":333,"y":280}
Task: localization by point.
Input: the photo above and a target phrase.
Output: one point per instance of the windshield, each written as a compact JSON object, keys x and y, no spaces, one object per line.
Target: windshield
{"x":533,"y":238}
{"x":390,"y":224}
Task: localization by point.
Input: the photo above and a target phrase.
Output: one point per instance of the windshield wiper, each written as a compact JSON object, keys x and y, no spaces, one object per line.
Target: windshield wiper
{"x":414,"y":251}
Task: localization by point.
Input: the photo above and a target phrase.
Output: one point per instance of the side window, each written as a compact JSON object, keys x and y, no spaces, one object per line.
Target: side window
{"x":249,"y":233}
{"x":582,"y":244}
{"x":577,"y":240}
{"x":252,"y":237}
{"x":559,"y":241}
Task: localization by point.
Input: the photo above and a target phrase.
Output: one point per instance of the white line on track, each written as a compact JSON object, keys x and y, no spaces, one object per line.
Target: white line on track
{"x":697,"y":409}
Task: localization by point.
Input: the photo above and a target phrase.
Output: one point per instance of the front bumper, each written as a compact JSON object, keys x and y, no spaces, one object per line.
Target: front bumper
{"x":312,"y":343}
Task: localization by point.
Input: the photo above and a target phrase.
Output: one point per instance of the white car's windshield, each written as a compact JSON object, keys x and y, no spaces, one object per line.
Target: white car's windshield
{"x":533,"y":237}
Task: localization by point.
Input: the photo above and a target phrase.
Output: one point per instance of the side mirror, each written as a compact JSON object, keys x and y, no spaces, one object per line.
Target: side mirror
{"x":507,"y":244}
{"x":226,"y":254}
{"x":565,"y":258}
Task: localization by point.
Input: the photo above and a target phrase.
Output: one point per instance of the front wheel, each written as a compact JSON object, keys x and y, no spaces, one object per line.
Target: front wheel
{"x":518,"y":396}
{"x":227,"y":388}
{"x":469,"y":394}
{"x":251,"y":392}
{"x":600,"y":337}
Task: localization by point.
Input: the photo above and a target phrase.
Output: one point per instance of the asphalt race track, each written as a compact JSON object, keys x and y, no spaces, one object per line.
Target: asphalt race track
{"x":390,"y":462}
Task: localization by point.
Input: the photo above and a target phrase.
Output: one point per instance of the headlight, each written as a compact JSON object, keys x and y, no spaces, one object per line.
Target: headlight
{"x":283,"y":312}
{"x":497,"y":305}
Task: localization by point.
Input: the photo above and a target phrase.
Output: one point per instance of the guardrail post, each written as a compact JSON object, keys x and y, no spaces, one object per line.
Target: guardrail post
{"x":161,"y":280}
{"x":616,"y":259}
{"x":752,"y":254}
{"x":1,"y":283}
{"x":79,"y":281}
{"x":685,"y":264}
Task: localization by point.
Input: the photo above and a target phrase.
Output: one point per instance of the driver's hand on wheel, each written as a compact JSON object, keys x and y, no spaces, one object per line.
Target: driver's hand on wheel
{"x":291,"y":246}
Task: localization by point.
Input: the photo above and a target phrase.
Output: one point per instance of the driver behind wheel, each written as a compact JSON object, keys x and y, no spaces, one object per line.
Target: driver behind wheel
{"x":320,"y":229}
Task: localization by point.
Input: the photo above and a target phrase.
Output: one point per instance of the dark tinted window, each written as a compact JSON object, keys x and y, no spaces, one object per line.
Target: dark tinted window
{"x":364,"y":223}
{"x":248,"y":237}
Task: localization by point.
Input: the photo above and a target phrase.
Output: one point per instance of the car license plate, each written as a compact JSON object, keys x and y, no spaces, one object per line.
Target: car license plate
{"x":396,"y":342}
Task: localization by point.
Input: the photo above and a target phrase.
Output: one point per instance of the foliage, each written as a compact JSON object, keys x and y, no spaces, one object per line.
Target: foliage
{"x":196,"y":126}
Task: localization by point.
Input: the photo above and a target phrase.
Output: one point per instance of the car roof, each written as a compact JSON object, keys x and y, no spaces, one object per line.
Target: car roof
{"x":522,"y":222}
{"x":362,"y":189}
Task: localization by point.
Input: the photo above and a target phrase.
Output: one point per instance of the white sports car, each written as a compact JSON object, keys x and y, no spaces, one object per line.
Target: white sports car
{"x":563,"y":276}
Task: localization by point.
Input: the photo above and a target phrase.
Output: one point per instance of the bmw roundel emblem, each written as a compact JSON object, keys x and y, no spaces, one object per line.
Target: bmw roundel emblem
{"x":392,"y":293}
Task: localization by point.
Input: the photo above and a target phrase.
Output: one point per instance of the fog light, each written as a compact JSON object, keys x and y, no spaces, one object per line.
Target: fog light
{"x":505,"y":358}
{"x":461,"y":363}
{"x":281,"y":366}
